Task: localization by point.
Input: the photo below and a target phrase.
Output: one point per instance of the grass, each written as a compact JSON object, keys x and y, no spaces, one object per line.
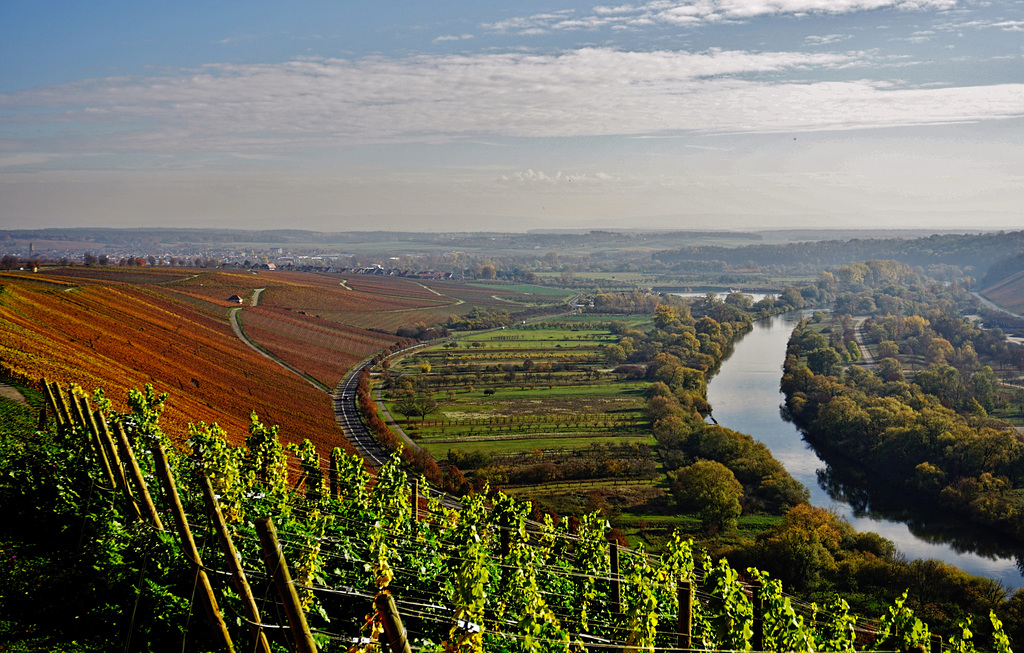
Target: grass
{"x":494,"y":446}
{"x":564,"y":399}
{"x":526,"y":288}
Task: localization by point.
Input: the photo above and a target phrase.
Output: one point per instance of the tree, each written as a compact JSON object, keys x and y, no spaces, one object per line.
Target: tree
{"x":426,"y":404}
{"x":985,"y":387}
{"x":890,"y":369}
{"x":888,"y":349}
{"x":824,"y":360}
{"x":800,"y":550}
{"x":664,"y":315}
{"x":739,"y":300}
{"x":792,"y":297}
{"x":614,"y":354}
{"x":939,"y":351}
{"x":710,"y":489}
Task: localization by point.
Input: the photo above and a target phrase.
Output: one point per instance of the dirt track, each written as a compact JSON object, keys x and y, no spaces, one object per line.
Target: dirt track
{"x":12,"y":393}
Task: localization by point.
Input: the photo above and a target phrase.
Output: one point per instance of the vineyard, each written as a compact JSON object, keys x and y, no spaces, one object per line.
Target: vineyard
{"x":121,"y":336}
{"x":123,"y":327}
{"x":325,"y":350}
{"x":319,"y":555}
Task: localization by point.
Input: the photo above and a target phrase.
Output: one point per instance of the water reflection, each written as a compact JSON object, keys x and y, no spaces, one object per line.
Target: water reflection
{"x":930,"y":526}
{"x":745,"y":397}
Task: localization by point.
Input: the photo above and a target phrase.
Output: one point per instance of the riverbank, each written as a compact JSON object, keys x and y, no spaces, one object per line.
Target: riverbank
{"x":745,"y":396}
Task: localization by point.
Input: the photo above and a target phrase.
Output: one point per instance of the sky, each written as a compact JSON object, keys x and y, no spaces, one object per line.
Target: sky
{"x":444,"y":115}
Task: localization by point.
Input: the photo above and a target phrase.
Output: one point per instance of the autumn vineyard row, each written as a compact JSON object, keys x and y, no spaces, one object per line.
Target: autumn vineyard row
{"x":372,"y":560}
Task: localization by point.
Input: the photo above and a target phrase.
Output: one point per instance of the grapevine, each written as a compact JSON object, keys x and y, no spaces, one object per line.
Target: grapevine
{"x":460,"y":587}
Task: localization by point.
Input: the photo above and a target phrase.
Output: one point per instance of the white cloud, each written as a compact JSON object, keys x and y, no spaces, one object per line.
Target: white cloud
{"x":451,"y":37}
{"x":692,"y":12}
{"x":827,"y":39}
{"x":324,"y":103}
{"x":1010,"y":25}
{"x":559,"y":178}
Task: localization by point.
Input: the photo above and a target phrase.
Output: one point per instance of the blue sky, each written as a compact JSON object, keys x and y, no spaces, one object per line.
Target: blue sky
{"x":702,"y":114}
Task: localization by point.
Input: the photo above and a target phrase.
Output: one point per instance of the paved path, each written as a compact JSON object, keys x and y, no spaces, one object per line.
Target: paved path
{"x":989,"y":304}
{"x":237,"y":328}
{"x":866,"y":359}
{"x":12,"y":393}
{"x":346,"y":413}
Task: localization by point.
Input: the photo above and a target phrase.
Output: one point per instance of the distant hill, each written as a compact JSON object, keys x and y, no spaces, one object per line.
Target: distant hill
{"x":968,"y":252}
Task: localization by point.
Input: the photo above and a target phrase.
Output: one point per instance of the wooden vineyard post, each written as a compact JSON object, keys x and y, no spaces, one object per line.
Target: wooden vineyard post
{"x":415,"y":500}
{"x":504,"y":537}
{"x":75,"y":409}
{"x":234,"y":564}
{"x":398,"y":638}
{"x":103,"y":436}
{"x":51,"y":403}
{"x":334,"y":476}
{"x":757,"y":589}
{"x":84,"y":416}
{"x":684,"y":592}
{"x":122,"y":481}
{"x":137,"y":477}
{"x":273,"y":557}
{"x":61,"y":409}
{"x":616,"y":589}
{"x":181,"y":520}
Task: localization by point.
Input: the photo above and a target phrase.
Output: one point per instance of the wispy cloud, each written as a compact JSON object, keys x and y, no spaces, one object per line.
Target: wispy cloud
{"x":694,"y":12}
{"x":827,"y":39}
{"x":318,"y":103}
{"x":559,"y":178}
{"x":24,"y":159}
{"x":452,"y":37}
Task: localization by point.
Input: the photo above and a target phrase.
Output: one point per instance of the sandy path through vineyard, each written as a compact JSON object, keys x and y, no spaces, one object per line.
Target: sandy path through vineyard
{"x":12,"y":393}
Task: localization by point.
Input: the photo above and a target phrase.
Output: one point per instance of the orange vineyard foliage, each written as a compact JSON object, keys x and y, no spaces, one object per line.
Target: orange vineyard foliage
{"x":323,"y":349}
{"x":120,"y":336}
{"x":120,"y":328}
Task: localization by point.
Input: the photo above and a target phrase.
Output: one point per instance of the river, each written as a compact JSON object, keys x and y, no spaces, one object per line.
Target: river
{"x":745,"y":397}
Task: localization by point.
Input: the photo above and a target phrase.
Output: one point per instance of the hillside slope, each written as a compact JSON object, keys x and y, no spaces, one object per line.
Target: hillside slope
{"x":123,"y":332}
{"x":1008,"y":293}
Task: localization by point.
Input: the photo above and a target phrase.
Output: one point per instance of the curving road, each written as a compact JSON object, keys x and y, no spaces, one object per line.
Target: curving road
{"x":237,"y":328}
{"x":346,"y":413}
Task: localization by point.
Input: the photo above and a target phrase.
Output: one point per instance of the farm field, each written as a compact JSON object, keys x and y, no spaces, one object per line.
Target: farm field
{"x":1008,"y":293}
{"x":526,"y":405}
{"x":389,"y":303}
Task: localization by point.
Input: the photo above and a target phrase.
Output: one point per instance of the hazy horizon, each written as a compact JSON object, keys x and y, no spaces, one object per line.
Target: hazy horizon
{"x":695,"y":114}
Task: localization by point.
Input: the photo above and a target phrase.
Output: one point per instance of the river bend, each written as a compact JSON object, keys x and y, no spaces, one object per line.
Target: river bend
{"x":745,"y":397}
